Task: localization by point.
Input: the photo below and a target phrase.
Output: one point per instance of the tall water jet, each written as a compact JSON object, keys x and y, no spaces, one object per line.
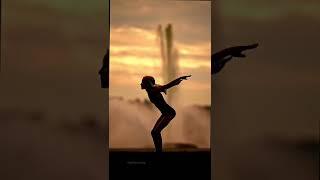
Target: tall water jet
{"x":169,"y":56}
{"x":170,"y":71}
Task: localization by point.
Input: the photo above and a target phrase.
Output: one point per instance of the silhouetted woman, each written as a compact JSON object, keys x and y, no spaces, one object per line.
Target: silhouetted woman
{"x":167,"y":112}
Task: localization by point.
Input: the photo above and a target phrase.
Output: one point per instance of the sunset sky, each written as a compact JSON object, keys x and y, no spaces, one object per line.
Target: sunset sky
{"x":265,"y":107}
{"x":134,"y":50}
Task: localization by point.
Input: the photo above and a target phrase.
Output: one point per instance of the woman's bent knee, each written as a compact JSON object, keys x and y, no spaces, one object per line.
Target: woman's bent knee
{"x":154,"y":132}
{"x":172,"y":113}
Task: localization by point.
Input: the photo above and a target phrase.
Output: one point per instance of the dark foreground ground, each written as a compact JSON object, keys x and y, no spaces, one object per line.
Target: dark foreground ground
{"x":145,"y":164}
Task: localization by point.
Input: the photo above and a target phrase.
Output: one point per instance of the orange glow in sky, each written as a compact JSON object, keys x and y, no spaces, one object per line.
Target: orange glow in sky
{"x":135,"y":52}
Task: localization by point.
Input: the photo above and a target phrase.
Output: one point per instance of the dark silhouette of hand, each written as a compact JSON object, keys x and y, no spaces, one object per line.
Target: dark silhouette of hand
{"x":237,"y":51}
{"x":220,"y":58}
{"x":185,"y":77}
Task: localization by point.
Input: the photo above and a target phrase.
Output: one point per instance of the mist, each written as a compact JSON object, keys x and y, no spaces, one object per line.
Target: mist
{"x":131,"y":121}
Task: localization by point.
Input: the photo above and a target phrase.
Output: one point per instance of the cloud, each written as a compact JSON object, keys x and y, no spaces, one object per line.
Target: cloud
{"x":194,"y":27}
{"x":135,"y":49}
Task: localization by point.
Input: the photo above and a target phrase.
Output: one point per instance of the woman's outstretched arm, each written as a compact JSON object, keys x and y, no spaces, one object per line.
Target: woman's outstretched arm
{"x":220,"y":58}
{"x":175,"y":82}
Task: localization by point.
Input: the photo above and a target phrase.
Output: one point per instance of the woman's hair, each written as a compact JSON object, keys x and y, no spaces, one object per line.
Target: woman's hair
{"x":148,"y":81}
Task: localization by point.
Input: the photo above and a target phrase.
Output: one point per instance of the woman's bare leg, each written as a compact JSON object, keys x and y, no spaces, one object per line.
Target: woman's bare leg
{"x":156,"y":135}
{"x":162,"y":122}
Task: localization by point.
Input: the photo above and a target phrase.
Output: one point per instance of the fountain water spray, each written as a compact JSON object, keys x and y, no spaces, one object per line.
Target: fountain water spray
{"x":170,"y":71}
{"x":170,"y":61}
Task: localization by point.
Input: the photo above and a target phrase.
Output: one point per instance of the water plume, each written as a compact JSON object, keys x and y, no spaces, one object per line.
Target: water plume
{"x":170,"y":70}
{"x":169,"y":59}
